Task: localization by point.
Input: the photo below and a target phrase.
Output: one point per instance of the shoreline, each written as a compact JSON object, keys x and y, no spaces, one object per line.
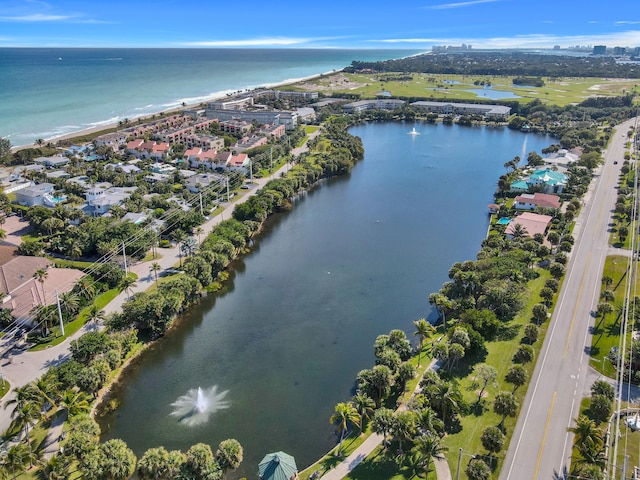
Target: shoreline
{"x":218,"y":96}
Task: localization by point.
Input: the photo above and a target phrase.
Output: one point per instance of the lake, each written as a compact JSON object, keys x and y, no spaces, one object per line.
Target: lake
{"x":356,"y":257}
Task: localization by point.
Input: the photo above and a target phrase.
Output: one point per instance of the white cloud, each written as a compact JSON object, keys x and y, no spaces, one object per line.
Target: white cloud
{"x":35,"y":17}
{"x":445,"y":6}
{"x":256,"y":42}
{"x":627,"y":22}
{"x":630,"y":37}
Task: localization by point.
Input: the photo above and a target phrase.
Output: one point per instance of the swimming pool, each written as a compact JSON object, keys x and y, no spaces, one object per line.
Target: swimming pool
{"x":503,"y":221}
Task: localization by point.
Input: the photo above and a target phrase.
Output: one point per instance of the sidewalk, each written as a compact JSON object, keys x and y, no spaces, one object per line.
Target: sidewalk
{"x":373,"y":441}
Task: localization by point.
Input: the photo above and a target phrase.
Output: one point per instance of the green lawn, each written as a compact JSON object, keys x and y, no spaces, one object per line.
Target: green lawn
{"x":607,"y":330}
{"x":70,"y":328}
{"x":500,"y":356}
{"x":562,"y":91}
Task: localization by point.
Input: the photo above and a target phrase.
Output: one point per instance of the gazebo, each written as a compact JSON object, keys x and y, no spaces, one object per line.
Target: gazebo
{"x":278,"y":466}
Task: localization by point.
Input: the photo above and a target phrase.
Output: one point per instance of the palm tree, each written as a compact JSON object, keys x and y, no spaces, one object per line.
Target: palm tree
{"x":54,"y":469}
{"x":425,"y":448}
{"x":127,"y":283}
{"x":17,"y":458}
{"x":586,"y":431}
{"x":441,"y":303}
{"x":364,"y":405}
{"x":505,"y":404}
{"x":3,"y":234}
{"x":382,"y":423}
{"x":344,"y":414}
{"x":40,"y":275}
{"x":85,"y":287}
{"x":155,"y":268}
{"x":446,"y":399}
{"x":519,"y":232}
{"x":75,"y":402}
{"x":423,"y":330}
{"x":22,"y":418}
{"x":429,"y":422}
{"x":199,"y":231}
{"x":96,"y":314}
{"x":69,"y":304}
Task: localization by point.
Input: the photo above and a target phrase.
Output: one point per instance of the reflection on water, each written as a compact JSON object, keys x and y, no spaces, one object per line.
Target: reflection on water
{"x":286,"y":338}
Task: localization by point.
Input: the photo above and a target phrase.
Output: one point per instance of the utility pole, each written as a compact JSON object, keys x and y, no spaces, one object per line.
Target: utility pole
{"x":201,"y":209}
{"x":59,"y":314}
{"x":124,"y":255}
{"x":228,"y":198}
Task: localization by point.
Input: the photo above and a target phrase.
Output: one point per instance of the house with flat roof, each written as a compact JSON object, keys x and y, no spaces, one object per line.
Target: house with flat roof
{"x":196,"y":183}
{"x":529,"y":201}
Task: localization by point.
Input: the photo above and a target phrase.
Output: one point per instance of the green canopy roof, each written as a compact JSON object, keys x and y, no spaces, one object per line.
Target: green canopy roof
{"x":277,"y":466}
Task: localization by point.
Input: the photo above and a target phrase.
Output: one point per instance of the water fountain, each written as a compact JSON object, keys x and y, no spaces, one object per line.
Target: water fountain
{"x":197,"y":405}
{"x":413,"y":132}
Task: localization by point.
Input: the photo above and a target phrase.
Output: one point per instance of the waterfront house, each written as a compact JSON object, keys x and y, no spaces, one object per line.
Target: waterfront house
{"x":547,"y":180}
{"x":550,"y":180}
{"x":51,"y":162}
{"x":113,"y":140}
{"x":528,"y":201}
{"x":533,"y":223}
{"x":278,"y":466}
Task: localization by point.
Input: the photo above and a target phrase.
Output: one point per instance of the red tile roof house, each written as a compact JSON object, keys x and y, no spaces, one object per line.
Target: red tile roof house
{"x":23,"y":292}
{"x":239,"y":162}
{"x":531,"y":222}
{"x":528,"y":201}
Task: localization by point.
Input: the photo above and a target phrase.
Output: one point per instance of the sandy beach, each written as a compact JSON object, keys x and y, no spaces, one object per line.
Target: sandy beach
{"x":102,"y":128}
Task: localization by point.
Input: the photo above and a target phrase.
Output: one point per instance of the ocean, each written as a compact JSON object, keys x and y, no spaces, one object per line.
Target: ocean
{"x":49,"y":92}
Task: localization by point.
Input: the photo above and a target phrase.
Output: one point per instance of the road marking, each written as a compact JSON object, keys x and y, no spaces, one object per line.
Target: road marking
{"x":544,"y":436}
{"x":575,"y":308}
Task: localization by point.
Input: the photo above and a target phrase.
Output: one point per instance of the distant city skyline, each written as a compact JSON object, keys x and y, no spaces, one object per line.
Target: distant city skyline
{"x":328,"y":24}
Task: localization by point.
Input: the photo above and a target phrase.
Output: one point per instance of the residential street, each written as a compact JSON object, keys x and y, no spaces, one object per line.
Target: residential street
{"x":20,"y":367}
{"x":541,"y":446}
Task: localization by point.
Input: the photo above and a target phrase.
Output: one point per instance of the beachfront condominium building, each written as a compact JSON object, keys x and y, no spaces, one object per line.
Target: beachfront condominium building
{"x":277,"y":117}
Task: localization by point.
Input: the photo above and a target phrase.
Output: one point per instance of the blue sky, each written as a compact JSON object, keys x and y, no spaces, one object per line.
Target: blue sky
{"x":318,"y":24}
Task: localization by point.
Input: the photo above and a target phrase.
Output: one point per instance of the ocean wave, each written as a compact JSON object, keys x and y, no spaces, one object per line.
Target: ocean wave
{"x":116,"y":59}
{"x":146,"y":107}
{"x":103,"y":122}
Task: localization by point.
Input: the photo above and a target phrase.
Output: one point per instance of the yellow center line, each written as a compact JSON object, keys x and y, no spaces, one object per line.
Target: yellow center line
{"x":544,"y":437}
{"x":575,"y":309}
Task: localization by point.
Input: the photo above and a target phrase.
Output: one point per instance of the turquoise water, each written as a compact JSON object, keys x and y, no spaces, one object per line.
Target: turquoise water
{"x":503,"y":221}
{"x":48,"y":92}
{"x":355,"y":258}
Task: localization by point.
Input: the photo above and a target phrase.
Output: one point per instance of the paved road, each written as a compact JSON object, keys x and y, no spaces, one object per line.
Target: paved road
{"x":20,"y":367}
{"x":541,"y":446}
